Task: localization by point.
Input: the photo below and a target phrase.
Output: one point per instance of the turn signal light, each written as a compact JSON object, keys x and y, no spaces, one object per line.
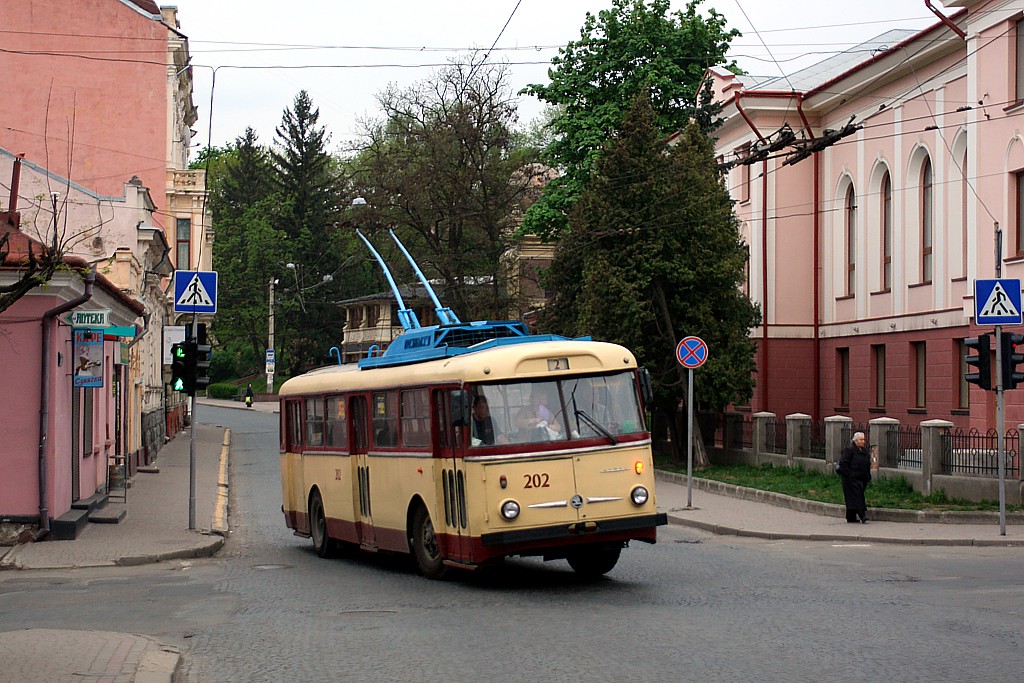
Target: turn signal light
{"x":639,"y":467}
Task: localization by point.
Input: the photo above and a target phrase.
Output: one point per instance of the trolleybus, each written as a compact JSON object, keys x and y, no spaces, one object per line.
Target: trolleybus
{"x":464,"y":443}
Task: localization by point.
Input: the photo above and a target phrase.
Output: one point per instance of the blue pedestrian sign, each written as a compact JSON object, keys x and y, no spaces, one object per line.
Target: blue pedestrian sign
{"x":195,"y":291}
{"x":692,"y":352}
{"x":997,"y":302}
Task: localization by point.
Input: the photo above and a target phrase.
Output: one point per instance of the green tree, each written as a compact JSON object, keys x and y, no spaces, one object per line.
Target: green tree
{"x":444,"y":168}
{"x":318,"y":247}
{"x":653,"y":253}
{"x":246,"y":252}
{"x":635,"y":46}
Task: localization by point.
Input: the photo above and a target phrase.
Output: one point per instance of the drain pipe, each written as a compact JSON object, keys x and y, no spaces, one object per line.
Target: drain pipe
{"x":44,"y":398}
{"x":946,"y":20}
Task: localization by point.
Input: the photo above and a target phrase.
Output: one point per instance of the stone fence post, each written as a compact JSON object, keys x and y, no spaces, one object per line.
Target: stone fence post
{"x":798,"y":439}
{"x":760,"y":440}
{"x":881,"y":456}
{"x":834,"y":441}
{"x":931,"y":451}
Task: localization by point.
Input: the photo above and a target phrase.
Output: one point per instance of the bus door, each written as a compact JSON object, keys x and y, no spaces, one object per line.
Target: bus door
{"x":452,"y":482}
{"x":359,"y":444}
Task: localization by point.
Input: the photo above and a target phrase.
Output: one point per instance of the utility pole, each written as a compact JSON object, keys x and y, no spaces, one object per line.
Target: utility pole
{"x":270,"y":340}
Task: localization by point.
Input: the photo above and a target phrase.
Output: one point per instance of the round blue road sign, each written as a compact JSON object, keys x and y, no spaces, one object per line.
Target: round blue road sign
{"x":692,"y":352}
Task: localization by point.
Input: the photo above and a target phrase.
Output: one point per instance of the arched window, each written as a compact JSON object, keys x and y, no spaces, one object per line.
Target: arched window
{"x":885,"y":192}
{"x":926,"y":220}
{"x":963,"y":214}
{"x":851,"y":241}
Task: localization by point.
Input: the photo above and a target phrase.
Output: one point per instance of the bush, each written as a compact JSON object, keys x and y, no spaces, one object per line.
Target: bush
{"x":225,"y":391}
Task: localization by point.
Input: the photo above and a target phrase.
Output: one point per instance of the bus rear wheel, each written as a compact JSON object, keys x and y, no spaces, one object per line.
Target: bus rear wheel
{"x":323,"y":544}
{"x":594,"y":560}
{"x":424,"y":546}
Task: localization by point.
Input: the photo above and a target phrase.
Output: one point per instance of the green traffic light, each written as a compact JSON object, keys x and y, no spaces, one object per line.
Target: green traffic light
{"x":178,"y":350}
{"x":179,"y":384}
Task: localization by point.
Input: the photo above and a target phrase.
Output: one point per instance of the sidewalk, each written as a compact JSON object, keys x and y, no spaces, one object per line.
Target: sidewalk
{"x":730,"y":510}
{"x":154,"y":529}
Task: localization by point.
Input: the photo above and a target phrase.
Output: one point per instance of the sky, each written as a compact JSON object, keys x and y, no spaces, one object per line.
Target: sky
{"x":345,"y":53}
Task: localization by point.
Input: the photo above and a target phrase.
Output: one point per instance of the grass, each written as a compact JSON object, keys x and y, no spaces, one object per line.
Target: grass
{"x":826,"y":488}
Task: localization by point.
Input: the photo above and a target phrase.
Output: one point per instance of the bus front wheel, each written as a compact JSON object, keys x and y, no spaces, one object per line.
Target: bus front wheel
{"x":595,"y":560}
{"x":424,"y":546}
{"x":322,"y":542}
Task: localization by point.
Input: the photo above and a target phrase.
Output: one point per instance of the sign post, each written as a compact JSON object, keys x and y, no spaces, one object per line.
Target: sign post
{"x":691,"y":353}
{"x":998,"y":302}
{"x":195,"y":291}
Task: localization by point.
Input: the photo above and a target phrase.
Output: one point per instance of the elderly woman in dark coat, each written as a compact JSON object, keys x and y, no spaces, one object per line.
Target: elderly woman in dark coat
{"x":855,"y":469}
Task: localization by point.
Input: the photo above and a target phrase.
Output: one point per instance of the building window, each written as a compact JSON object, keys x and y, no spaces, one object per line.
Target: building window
{"x":744,"y":188}
{"x":1020,"y":213}
{"x":963,"y":388}
{"x":843,"y":375}
{"x":886,"y":222}
{"x":920,"y":360}
{"x":184,"y":237}
{"x":926,"y":221}
{"x":851,"y":241}
{"x":963,"y":214}
{"x":1020,"y":60}
{"x":878,"y":374}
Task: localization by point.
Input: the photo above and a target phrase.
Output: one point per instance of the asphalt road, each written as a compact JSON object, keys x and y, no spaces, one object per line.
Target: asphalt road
{"x":693,"y":607}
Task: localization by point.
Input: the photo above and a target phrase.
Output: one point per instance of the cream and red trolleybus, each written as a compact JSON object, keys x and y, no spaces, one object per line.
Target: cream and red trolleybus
{"x":464,"y":443}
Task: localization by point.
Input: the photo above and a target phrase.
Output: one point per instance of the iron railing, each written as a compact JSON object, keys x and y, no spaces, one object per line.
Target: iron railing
{"x":971,"y":452}
{"x":903,"y":448}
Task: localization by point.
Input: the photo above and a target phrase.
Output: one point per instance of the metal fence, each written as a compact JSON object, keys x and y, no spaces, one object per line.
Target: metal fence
{"x":745,"y":434}
{"x":813,"y":435}
{"x":775,"y":435}
{"x":903,"y":448}
{"x":971,"y":452}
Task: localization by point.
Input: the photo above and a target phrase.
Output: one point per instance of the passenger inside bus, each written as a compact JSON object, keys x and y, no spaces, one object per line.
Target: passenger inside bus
{"x":485,"y":433}
{"x":535,"y":421}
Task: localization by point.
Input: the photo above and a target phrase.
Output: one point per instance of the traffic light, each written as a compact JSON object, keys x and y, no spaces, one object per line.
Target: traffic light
{"x":1012,"y":354}
{"x":982,"y":344}
{"x":179,"y":367}
{"x":203,"y":356}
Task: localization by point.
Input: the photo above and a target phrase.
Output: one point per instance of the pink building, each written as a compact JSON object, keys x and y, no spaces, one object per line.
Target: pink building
{"x":869,"y":187}
{"x":64,"y":389}
{"x":99,"y":91}
{"x":97,"y":98}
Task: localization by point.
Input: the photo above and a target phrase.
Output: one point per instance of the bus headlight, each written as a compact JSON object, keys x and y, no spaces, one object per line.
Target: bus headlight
{"x":510,"y":510}
{"x":639,"y":495}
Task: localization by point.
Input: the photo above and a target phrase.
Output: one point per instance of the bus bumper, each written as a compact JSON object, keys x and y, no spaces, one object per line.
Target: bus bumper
{"x":625,"y":529}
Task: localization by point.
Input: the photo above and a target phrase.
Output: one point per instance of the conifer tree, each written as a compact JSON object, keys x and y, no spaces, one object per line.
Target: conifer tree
{"x":653,"y":253}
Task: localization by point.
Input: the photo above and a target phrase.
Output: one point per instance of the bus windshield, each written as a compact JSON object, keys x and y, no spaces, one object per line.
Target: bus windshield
{"x":569,"y":408}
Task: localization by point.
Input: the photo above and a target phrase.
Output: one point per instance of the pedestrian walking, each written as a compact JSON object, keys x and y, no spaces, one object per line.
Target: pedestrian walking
{"x":855,"y":469}
{"x":248,"y":396}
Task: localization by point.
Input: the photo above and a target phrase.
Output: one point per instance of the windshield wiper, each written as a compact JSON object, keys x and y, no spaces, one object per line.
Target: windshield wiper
{"x":596,"y":426}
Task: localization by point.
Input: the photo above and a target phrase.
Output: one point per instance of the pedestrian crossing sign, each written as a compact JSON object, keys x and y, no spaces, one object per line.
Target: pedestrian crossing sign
{"x":997,"y":302}
{"x":195,"y":291}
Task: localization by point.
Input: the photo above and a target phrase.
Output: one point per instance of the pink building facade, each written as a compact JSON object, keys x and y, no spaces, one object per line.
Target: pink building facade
{"x":97,"y":100}
{"x":869,"y":189}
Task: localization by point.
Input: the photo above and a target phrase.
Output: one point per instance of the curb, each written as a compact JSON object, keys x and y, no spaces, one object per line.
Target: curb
{"x":833,"y":510}
{"x":720,"y":530}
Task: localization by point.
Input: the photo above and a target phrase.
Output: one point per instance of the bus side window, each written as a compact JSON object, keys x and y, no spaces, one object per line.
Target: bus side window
{"x":314,"y":422}
{"x":293,"y":426}
{"x":385,"y":419}
{"x":337,"y":426}
{"x":415,"y":418}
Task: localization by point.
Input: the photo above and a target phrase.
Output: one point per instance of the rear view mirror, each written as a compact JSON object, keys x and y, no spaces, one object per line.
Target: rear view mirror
{"x":460,"y":411}
{"x":646,"y":391}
